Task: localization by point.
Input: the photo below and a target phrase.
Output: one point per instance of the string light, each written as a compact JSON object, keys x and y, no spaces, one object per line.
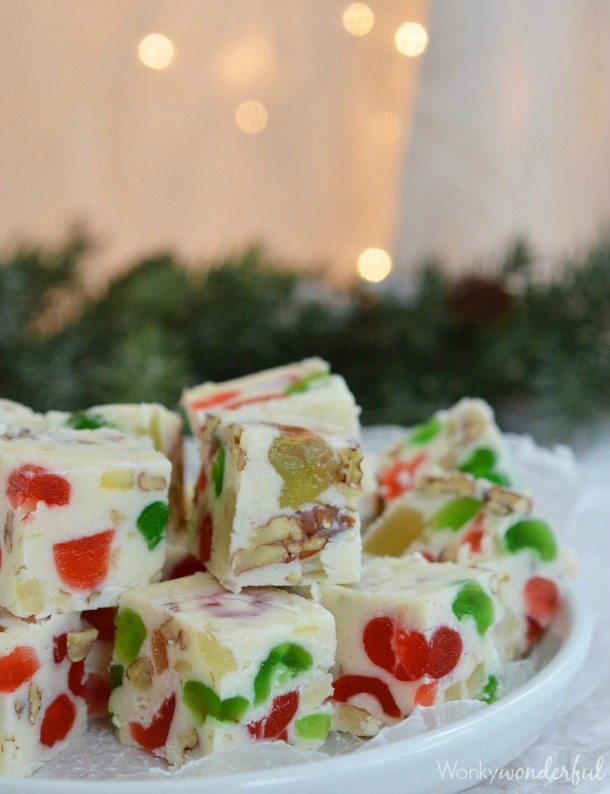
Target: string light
{"x":156,"y":51}
{"x":374,"y":264}
{"x":411,"y":39}
{"x":385,"y":127}
{"x":358,"y":19}
{"x":251,"y":116}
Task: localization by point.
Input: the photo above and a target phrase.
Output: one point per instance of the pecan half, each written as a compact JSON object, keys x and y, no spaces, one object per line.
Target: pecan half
{"x":503,"y":502}
{"x":446,"y":482}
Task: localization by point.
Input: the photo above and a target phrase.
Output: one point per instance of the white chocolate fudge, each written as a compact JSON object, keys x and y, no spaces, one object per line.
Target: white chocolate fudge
{"x":83,"y":516}
{"x":451,"y":516}
{"x":307,"y":389}
{"x":464,"y":437}
{"x":278,"y":504}
{"x":42,"y":680}
{"x":410,"y":633}
{"x":198,"y":669}
{"x":14,"y":414}
{"x":150,"y":422}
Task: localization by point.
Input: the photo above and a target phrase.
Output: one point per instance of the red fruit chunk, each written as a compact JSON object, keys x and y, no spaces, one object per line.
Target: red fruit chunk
{"x":155,"y":735}
{"x":427,"y":555}
{"x":57,"y":721}
{"x":76,"y":674}
{"x":400,"y":477}
{"x":349,"y":685}
{"x":17,"y":667}
{"x":274,"y":724}
{"x":541,"y":599}
{"x":60,"y":648}
{"x":425,"y":694}
{"x":534,"y":632}
{"x":206,"y":530}
{"x":202,"y":480}
{"x":411,"y":648}
{"x":97,"y":693}
{"x":82,"y":564}
{"x":216,"y":399}
{"x":103,"y":620}
{"x":262,"y":398}
{"x":34,"y":484}
{"x":444,"y":652}
{"x":186,"y":567}
{"x":377,"y":639}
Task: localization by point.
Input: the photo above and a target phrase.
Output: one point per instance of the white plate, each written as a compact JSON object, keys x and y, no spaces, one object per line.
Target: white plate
{"x":488,"y":738}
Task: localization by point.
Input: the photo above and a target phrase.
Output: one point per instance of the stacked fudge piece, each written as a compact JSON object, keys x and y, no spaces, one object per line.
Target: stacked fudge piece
{"x":83,"y":515}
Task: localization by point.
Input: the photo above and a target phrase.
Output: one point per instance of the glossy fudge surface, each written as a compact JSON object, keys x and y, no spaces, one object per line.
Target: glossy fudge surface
{"x":410,"y":633}
{"x":307,"y":389}
{"x":278,"y":504}
{"x":83,"y":516}
{"x":197,"y":668}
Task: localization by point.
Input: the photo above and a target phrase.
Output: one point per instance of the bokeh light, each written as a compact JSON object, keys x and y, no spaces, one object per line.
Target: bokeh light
{"x":358,"y":19}
{"x":156,"y":51}
{"x":374,"y":264}
{"x":411,"y":39}
{"x":251,"y":116}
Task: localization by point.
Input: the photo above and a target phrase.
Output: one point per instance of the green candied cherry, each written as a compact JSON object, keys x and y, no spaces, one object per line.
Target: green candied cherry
{"x":305,"y":463}
{"x":455,"y":513}
{"x":203,"y":702}
{"x":152,"y":522}
{"x":307,"y":382}
{"x":534,"y":534}
{"x":82,"y":420}
{"x":425,"y":432}
{"x":130,"y":634}
{"x":284,"y":661}
{"x":473,"y":601}
{"x":218,"y":471}
{"x":115,"y":675}
{"x":489,"y":693}
{"x":313,"y":726}
{"x":481,"y":464}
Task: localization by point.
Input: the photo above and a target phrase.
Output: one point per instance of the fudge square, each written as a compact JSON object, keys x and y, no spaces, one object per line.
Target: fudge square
{"x":410,"y":633}
{"x":42,"y":688}
{"x":197,"y":668}
{"x":451,"y":516}
{"x":464,"y":437}
{"x":278,"y":504}
{"x":307,"y":389}
{"x":83,"y":516}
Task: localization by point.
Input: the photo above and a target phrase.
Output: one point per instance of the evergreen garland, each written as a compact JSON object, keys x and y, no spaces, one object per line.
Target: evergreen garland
{"x":533,"y":348}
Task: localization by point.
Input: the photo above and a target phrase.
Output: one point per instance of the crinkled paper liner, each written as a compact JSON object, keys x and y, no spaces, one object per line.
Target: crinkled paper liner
{"x":552,"y":476}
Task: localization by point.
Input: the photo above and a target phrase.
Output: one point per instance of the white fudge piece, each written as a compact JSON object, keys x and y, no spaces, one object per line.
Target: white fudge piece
{"x":410,"y":633}
{"x":464,"y":437}
{"x":18,"y":415}
{"x":451,"y":516}
{"x":198,"y":669}
{"x":278,"y":504}
{"x":42,"y":679}
{"x":83,"y":516}
{"x":307,"y":389}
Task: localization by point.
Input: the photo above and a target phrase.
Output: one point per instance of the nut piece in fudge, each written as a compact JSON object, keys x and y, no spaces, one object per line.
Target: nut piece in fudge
{"x":464,"y":437}
{"x":307,"y":389}
{"x":410,"y":633}
{"x":277,"y":504}
{"x":198,"y":669}
{"x":82,"y":518}
{"x":42,"y":688}
{"x":451,"y":516}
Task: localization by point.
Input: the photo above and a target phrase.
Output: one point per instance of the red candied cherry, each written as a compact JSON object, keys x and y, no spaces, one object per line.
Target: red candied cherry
{"x":348,"y":686}
{"x":534,"y":632}
{"x":155,"y":734}
{"x":57,"y":721}
{"x":76,"y":676}
{"x":83,"y":564}
{"x":60,"y":648}
{"x":541,"y":598}
{"x":34,"y":484}
{"x":400,"y":476}
{"x":444,"y":652}
{"x":275,"y":723}
{"x":216,"y":399}
{"x":17,"y":668}
{"x":425,"y":694}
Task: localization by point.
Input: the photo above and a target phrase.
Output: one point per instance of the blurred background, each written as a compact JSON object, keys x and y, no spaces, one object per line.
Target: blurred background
{"x":417,"y":190}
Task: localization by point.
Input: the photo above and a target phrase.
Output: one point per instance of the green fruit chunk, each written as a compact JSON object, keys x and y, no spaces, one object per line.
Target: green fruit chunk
{"x":304,"y":384}
{"x":203,"y":702}
{"x":130,"y":634}
{"x":314,"y":726}
{"x":285,"y":661}
{"x":490,"y":690}
{"x":455,"y":513}
{"x":115,"y":676}
{"x":306,"y":464}
{"x":472,"y":600}
{"x":425,"y":432}
{"x":481,"y":464}
{"x":534,"y":534}
{"x":152,"y":522}
{"x":218,"y":471}
{"x":81,"y":420}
